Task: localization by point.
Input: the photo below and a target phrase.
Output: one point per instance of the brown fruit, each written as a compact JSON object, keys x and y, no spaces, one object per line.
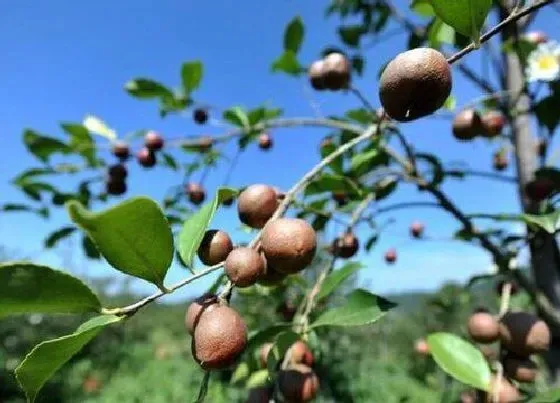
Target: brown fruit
{"x":467,"y":125}
{"x":271,"y":277}
{"x":200,"y":116}
{"x":256,"y":204}
{"x":220,"y":337}
{"x":265,"y":141}
{"x":146,"y":158}
{"x":337,"y":71}
{"x":117,"y":171}
{"x":520,"y":369}
{"x":298,"y":383}
{"x":121,"y":150}
{"x":508,"y":393}
{"x":500,"y":161}
{"x":345,"y":246}
{"x":196,"y":308}
{"x":340,"y":197}
{"x":153,"y":141}
{"x":416,"y":229}
{"x":539,"y":189}
{"x":301,"y":354}
{"x":215,"y":247}
{"x":205,"y":143}
{"x":288,"y":244}
{"x":536,"y":37}
{"x":391,"y":256}
{"x":421,"y":347}
{"x":262,"y":394}
{"x":467,"y":396}
{"x":195,"y":192}
{"x":414,"y":84}
{"x":316,"y":74}
{"x":115,"y":186}
{"x":493,"y":123}
{"x":483,"y":328}
{"x":524,"y":334}
{"x":263,"y":354}
{"x":91,"y":384}
{"x":244,"y":266}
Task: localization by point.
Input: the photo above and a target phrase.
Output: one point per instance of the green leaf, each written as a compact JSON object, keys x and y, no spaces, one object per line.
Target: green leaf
{"x":548,"y":222}
{"x":360,"y":115}
{"x":99,"y":127}
{"x":351,"y":34}
{"x":29,"y":288}
{"x":287,"y":63}
{"x":169,"y":161}
{"x":460,"y":359}
{"x":336,"y":278}
{"x":361,"y":308}
{"x":366,"y":161}
{"x":43,"y":147}
{"x":25,"y":176}
{"x":258,"y":115}
{"x":195,"y":226}
{"x":550,"y":396}
{"x":466,"y":16}
{"x":384,"y":188}
{"x":191,"y":76}
{"x":81,"y":142}
{"x":422,"y":8}
{"x":282,"y":343}
{"x":258,"y":337}
{"x":338,"y":164}
{"x":331,"y":183}
{"x":293,"y":35}
{"x":440,"y":33}
{"x":47,"y":357}
{"x":257,"y":378}
{"x":133,"y":236}
{"x":546,"y":111}
{"x":58,"y":235}
{"x":145,"y":88}
{"x":237,"y":116}
{"x":89,"y":248}
{"x":450,"y":103}
{"x":358,"y":63}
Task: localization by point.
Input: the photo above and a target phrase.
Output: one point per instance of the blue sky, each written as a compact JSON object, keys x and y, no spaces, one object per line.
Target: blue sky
{"x":62,"y":60}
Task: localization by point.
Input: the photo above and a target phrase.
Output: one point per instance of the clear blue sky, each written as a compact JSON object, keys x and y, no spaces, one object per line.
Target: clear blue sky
{"x":62,"y":60}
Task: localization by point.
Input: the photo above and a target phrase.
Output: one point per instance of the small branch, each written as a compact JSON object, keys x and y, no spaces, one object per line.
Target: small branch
{"x":406,"y":205}
{"x":505,"y":299}
{"x":364,"y":100}
{"x":495,"y":30}
{"x":489,"y":175}
{"x":498,"y":382}
{"x":358,"y":213}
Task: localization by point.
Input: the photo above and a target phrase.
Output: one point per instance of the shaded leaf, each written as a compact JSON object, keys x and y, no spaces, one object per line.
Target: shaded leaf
{"x":43,"y":147}
{"x":89,"y":248}
{"x":550,"y":396}
{"x":58,"y":235}
{"x":237,"y":116}
{"x":191,"y":75}
{"x":331,"y":183}
{"x":293,"y":35}
{"x":337,"y":277}
{"x":351,"y":34}
{"x":28,"y":174}
{"x":146,"y":88}
{"x":287,"y":63}
{"x":547,"y":114}
{"x":169,"y":161}
{"x":466,"y":16}
{"x":548,"y":222}
{"x":440,"y":33}
{"x":81,"y":142}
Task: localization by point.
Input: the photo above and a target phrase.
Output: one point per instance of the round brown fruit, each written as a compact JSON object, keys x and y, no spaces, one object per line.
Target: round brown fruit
{"x":539,"y":189}
{"x":500,"y":161}
{"x":520,"y":369}
{"x":337,"y":71}
{"x":467,"y":125}
{"x":271,"y":277}
{"x":265,"y":141}
{"x":196,"y":308}
{"x":416,"y":229}
{"x":340,"y":197}
{"x":200,"y":116}
{"x":483,"y":328}
{"x":298,"y":383}
{"x":220,"y":337}
{"x":301,"y":354}
{"x":493,"y":123}
{"x":256,"y":204}
{"x":414,"y":84}
{"x":507,"y":393}
{"x":244,"y":266}
{"x":316,"y":74}
{"x":115,"y":186}
{"x":524,"y":334}
{"x":536,"y":37}
{"x":153,"y":141}
{"x":263,"y":354}
{"x":467,"y":396}
{"x":117,"y":171}
{"x":121,"y":150}
{"x":262,"y":394}
{"x":195,"y":193}
{"x":345,"y":246}
{"x":214,"y":247}
{"x":288,"y":244}
{"x":421,"y":347}
{"x":391,"y":256}
{"x":146,"y":158}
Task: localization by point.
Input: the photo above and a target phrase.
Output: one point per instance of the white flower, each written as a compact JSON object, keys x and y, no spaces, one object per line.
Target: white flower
{"x":543,"y":63}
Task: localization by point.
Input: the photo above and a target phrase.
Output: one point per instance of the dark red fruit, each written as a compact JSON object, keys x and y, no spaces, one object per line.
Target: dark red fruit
{"x":337,"y":71}
{"x":262,"y":394}
{"x":539,"y":189}
{"x":146,"y":158}
{"x":115,"y":186}
{"x":391,"y":256}
{"x":493,"y":123}
{"x":121,"y":151}
{"x":416,"y":229}
{"x":117,"y":171}
{"x":467,"y":125}
{"x":153,"y":141}
{"x":200,"y":116}
{"x":265,"y":141}
{"x":500,"y":161}
{"x":483,"y":328}
{"x":301,"y":354}
{"x":340,"y":197}
{"x":195,"y":193}
{"x":316,"y":74}
{"x":215,"y":247}
{"x":346,"y":245}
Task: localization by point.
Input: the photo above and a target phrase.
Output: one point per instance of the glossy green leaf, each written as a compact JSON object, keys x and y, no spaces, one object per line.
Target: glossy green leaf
{"x":196,"y":225}
{"x":81,"y":142}
{"x":258,"y":115}
{"x":460,"y":359}
{"x":466,"y":16}
{"x":29,"y":288}
{"x":361,"y":308}
{"x":548,"y":222}
{"x":331,"y":183}
{"x":257,"y":379}
{"x":97,"y":126}
{"x":145,"y":88}
{"x":293,"y":35}
{"x":384,"y":188}
{"x":58,"y":235}
{"x":351,"y":34}
{"x":191,"y":76}
{"x":360,"y":115}
{"x":366,"y":161}
{"x":422,"y":8}
{"x":43,"y":147}
{"x":439,"y":33}
{"x":47,"y":357}
{"x":282,"y":343}
{"x":133,"y":236}
{"x":237,"y":116}
{"x":337,"y":277}
{"x":550,"y":396}
{"x":288,"y":63}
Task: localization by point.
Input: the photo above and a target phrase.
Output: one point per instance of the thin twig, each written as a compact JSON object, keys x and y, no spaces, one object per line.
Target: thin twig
{"x":505,"y":298}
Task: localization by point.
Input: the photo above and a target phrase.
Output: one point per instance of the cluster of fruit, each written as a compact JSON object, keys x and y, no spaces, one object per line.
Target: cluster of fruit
{"x":468,"y":124}
{"x":520,"y":335}
{"x":330,"y":73}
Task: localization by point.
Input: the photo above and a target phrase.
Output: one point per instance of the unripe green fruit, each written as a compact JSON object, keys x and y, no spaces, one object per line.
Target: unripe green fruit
{"x":215,"y":247}
{"x":524,"y":334}
{"x":256,"y":204}
{"x":244,"y":266}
